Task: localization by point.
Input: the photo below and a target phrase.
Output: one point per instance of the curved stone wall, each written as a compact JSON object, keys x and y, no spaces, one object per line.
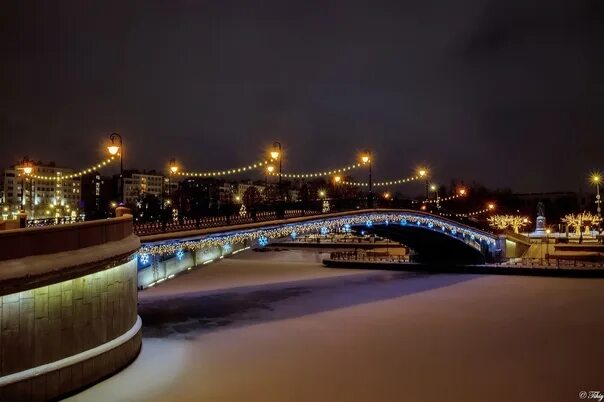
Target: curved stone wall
{"x":67,"y":316}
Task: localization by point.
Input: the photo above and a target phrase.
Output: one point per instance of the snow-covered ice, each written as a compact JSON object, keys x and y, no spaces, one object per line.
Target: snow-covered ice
{"x":277,"y":326}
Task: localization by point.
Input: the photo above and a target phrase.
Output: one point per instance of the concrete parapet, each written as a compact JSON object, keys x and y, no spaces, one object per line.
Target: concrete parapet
{"x":68,"y":318}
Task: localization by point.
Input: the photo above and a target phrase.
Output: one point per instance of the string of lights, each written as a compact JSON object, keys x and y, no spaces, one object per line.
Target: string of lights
{"x":384,"y":183}
{"x":324,"y":226}
{"x":76,"y":174}
{"x":489,"y":208}
{"x":319,"y":174}
{"x":440,"y":199}
{"x":257,"y":165}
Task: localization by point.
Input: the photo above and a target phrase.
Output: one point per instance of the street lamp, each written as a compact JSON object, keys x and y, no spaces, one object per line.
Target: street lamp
{"x":547,"y":233}
{"x":434,"y":187}
{"x":462,"y":192}
{"x":490,"y":206}
{"x":595,"y":179}
{"x":269,"y":169}
{"x":172,"y":169}
{"x":115,"y":148}
{"x":424,"y":173}
{"x":366,"y":159}
{"x":276,"y":155}
{"x":27,"y":168}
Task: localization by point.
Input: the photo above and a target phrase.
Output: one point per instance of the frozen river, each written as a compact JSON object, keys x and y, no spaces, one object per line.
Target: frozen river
{"x":277,"y":326}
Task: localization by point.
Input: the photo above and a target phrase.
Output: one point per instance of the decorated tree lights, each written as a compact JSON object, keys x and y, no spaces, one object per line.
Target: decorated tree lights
{"x":502,"y":222}
{"x":584,"y":219}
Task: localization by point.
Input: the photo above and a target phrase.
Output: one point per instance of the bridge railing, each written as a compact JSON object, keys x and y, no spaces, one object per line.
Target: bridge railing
{"x":367,"y":256}
{"x":555,"y":262}
{"x":150,"y":228}
{"x":36,"y":223}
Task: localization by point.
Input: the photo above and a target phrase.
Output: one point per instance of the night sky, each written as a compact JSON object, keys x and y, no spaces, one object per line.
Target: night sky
{"x":507,"y":93}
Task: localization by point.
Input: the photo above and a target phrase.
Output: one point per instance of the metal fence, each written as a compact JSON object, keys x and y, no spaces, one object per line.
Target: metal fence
{"x":150,"y":228}
{"x":553,"y":263}
{"x":34,"y":223}
{"x":367,"y":256}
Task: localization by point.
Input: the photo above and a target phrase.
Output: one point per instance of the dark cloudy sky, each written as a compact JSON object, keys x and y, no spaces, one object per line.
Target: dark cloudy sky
{"x":508,"y":93}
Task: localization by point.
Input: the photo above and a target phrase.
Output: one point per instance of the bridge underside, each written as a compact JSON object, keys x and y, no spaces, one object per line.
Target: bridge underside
{"x":429,"y":246}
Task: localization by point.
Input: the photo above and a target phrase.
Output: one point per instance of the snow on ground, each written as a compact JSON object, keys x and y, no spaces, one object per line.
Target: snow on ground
{"x":246,"y":269}
{"x":295,"y":331}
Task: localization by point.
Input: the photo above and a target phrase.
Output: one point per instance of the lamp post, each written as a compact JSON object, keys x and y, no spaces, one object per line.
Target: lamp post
{"x":276,"y":155}
{"x":366,"y":158}
{"x":172,"y":170}
{"x":114,"y":149}
{"x":269,"y":170}
{"x":547,"y":233}
{"x":27,"y":168}
{"x":423,"y":173}
{"x":595,"y":179}
{"x":434,"y":187}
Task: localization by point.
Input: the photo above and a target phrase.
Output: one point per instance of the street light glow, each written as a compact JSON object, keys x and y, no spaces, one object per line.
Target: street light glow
{"x":491,"y":206}
{"x":173,"y":166}
{"x":433,"y":187}
{"x":337,"y":179}
{"x":596,"y":178}
{"x":462,"y":191}
{"x":422,"y":172}
{"x":270,"y":168}
{"x":275,"y":154}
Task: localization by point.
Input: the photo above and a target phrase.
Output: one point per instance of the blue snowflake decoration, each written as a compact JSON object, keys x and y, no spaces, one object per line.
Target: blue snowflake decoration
{"x":419,"y":223}
{"x":347,"y":228}
{"x":324,"y":230}
{"x":362,"y":233}
{"x":403,"y":222}
{"x":263,"y":241}
{"x":453,"y":232}
{"x":293,"y":235}
{"x":386,"y":223}
{"x":430,"y":225}
{"x":472,"y":237}
{"x":443,"y":228}
{"x":180,"y":254}
{"x":369,"y":223}
{"x":227,"y":248}
{"x":144,"y":258}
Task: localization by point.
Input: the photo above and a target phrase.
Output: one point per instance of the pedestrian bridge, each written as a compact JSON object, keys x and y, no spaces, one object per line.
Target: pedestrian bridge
{"x":432,"y":237}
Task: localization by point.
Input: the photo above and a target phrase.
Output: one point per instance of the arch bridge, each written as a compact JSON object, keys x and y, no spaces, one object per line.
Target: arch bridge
{"x":432,"y":237}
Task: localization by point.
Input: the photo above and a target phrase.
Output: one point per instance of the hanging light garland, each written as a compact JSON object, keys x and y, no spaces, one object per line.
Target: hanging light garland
{"x":320,"y":174}
{"x":384,"y":183}
{"x":489,"y":208}
{"x":76,"y":174}
{"x":441,"y":199}
{"x":257,"y":165}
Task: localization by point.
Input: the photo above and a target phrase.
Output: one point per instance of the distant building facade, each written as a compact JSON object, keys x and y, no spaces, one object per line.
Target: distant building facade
{"x":55,"y":195}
